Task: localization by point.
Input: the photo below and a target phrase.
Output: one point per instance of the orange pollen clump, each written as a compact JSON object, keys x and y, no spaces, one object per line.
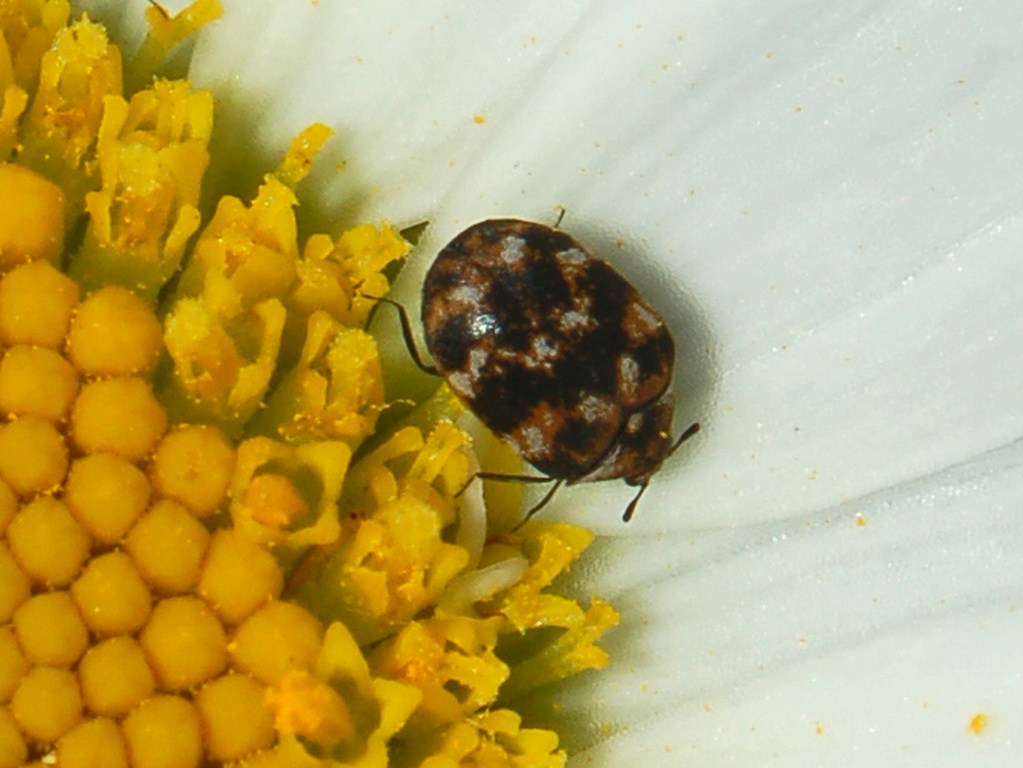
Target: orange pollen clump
{"x":273,"y":500}
{"x":308,"y":707}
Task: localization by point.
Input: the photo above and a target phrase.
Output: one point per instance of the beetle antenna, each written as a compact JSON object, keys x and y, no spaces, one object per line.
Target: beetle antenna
{"x":561,"y":214}
{"x":406,"y":332}
{"x":688,"y":432}
{"x":631,"y":509}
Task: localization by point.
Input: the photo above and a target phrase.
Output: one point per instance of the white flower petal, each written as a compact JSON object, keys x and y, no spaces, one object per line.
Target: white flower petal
{"x":821,"y":641}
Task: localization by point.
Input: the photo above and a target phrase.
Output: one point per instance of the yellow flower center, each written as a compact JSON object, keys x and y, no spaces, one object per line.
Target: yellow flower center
{"x":202,"y":559}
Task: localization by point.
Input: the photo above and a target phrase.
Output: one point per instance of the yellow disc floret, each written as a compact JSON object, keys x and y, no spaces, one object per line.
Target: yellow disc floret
{"x":15,"y":586}
{"x":114,"y":333}
{"x":13,"y":664}
{"x":238,"y":576}
{"x":33,"y":455}
{"x":25,"y":318}
{"x":48,"y":543}
{"x":163,"y":732}
{"x":111,"y":595}
{"x":235,"y":717}
{"x":50,"y":629}
{"x":120,"y":416}
{"x":37,"y":381}
{"x":184,"y":642}
{"x":276,"y":639}
{"x":32,"y":226}
{"x":168,"y":545}
{"x":193,"y":465}
{"x":93,"y":743}
{"x":13,"y":749}
{"x":47,"y":703}
{"x":107,"y":494}
{"x":115,"y":676}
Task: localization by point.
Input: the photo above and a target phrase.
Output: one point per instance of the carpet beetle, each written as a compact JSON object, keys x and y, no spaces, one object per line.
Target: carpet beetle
{"x":554,"y":351}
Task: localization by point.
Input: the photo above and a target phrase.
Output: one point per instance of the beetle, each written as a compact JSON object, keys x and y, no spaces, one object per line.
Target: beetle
{"x":553,"y":350}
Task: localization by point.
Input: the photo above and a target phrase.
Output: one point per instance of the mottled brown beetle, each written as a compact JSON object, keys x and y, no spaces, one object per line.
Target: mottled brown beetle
{"x":554,"y":351}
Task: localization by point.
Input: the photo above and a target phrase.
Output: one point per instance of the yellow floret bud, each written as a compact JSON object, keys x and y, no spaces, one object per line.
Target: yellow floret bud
{"x":235,"y":717}
{"x":50,"y":630}
{"x":33,"y":457}
{"x":168,"y":545}
{"x":114,"y":333}
{"x":15,"y":586}
{"x":120,"y":416}
{"x":107,"y":494}
{"x":238,"y":576}
{"x":36,"y":305}
{"x":47,"y":703}
{"x":8,"y":506}
{"x":32,"y":226}
{"x":37,"y":381}
{"x":95,"y":743}
{"x":185,"y":643}
{"x":111,"y":596}
{"x":47,"y":541}
{"x":13,"y":664}
{"x":115,"y":676}
{"x":194,"y":465}
{"x":13,"y":750}
{"x":276,"y":639}
{"x":163,"y":732}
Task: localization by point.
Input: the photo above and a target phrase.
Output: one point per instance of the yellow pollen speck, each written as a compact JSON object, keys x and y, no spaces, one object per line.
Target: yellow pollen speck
{"x":479,"y":119}
{"x":978,"y":723}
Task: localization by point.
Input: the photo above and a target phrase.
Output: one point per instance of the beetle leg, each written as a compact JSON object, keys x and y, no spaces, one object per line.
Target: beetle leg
{"x":540,"y":505}
{"x":406,"y":332}
{"x":503,"y":477}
